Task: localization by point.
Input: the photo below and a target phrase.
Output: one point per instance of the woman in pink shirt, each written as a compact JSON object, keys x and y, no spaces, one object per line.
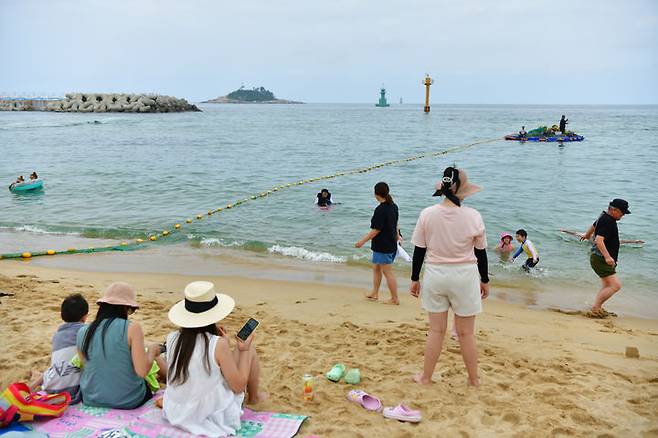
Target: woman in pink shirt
{"x":451,"y":239}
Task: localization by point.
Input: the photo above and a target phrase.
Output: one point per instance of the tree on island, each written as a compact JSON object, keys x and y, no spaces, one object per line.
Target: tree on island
{"x":256,"y":94}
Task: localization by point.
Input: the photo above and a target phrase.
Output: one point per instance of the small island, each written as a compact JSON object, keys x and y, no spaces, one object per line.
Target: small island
{"x":254,"y":95}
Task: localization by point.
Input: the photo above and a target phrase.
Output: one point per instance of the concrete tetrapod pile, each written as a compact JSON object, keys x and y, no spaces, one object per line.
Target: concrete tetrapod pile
{"x":128,"y":103}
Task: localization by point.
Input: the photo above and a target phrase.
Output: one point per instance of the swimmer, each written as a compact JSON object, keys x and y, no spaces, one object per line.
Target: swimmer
{"x":505,"y":245}
{"x":324,"y":198}
{"x":34,"y":176}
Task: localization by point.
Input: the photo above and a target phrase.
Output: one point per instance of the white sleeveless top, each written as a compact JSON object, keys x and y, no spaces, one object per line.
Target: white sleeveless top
{"x":204,"y":404}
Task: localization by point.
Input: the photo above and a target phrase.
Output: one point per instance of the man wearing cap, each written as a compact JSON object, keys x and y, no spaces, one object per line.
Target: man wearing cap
{"x":605,"y":252}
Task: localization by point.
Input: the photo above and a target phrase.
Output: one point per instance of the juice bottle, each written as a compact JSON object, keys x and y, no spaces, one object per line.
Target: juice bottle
{"x":308,"y":387}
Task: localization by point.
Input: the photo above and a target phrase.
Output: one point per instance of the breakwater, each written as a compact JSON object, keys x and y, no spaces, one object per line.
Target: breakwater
{"x":101,"y":103}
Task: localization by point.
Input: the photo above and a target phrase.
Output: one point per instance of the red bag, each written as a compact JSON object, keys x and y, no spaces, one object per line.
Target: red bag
{"x":18,"y":404}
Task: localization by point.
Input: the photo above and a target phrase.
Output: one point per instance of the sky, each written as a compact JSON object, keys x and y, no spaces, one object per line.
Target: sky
{"x":477,"y":51}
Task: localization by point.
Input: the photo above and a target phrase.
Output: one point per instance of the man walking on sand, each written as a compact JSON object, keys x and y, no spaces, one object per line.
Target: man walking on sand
{"x":605,"y":253}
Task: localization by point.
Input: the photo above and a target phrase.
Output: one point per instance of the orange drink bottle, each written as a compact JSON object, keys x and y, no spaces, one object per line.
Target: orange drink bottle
{"x":308,"y":387}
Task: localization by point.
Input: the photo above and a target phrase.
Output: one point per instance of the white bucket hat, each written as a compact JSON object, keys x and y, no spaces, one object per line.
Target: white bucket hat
{"x":201,"y":306}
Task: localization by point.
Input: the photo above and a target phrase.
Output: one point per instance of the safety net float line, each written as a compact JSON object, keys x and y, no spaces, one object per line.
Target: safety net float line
{"x":153,"y":237}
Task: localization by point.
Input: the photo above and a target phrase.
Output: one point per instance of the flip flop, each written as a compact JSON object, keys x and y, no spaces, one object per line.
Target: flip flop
{"x":353,"y":376}
{"x":336,"y":372}
{"x":366,"y":400}
{"x":402,"y":413}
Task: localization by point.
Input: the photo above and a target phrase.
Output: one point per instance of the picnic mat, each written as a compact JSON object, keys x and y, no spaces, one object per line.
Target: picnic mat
{"x":80,"y":421}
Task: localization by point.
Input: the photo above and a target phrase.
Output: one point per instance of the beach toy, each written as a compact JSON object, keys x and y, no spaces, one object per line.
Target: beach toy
{"x":336,"y":372}
{"x":402,"y":413}
{"x":353,"y":376}
{"x":27,"y":186}
{"x":366,"y":400}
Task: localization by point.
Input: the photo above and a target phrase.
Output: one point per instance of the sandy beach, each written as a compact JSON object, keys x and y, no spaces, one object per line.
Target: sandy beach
{"x":543,"y":373}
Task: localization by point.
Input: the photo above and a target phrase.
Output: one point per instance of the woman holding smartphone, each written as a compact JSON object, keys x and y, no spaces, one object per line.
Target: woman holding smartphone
{"x":208,"y":381}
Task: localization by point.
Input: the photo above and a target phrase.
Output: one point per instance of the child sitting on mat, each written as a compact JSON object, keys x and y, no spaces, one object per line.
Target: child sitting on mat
{"x":61,"y":375}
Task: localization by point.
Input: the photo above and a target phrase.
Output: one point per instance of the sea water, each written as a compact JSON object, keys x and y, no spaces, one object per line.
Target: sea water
{"x":120,"y":176}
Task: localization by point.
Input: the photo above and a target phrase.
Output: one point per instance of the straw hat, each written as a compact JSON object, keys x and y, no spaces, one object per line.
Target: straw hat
{"x":121,"y":294}
{"x":465,"y":188}
{"x":201,"y":306}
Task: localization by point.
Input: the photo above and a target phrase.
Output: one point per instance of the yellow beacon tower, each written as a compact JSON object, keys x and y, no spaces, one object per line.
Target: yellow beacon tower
{"x":427,"y":82}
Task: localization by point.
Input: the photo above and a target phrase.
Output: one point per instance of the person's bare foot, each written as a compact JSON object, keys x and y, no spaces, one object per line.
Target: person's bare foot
{"x":258,"y":398}
{"x":475,"y":384}
{"x":392,"y":302}
{"x":372,"y":296}
{"x":418,"y":378}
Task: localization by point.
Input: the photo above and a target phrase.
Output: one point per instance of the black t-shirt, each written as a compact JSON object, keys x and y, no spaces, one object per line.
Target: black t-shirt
{"x":606,"y":227}
{"x":385,"y":219}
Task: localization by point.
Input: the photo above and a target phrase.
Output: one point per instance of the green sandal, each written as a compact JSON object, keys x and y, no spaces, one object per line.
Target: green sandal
{"x":336,"y":372}
{"x":353,"y":376}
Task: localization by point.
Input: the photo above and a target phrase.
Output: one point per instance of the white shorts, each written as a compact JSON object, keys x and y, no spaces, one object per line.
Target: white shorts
{"x":451,"y":285}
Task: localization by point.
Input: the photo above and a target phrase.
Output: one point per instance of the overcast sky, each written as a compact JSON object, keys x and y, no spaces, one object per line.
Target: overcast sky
{"x":478,"y":51}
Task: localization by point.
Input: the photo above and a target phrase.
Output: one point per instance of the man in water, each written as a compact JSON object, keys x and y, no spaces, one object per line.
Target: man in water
{"x":563,"y":124}
{"x":522,"y":133}
{"x":324,"y":198}
{"x":605,"y":253}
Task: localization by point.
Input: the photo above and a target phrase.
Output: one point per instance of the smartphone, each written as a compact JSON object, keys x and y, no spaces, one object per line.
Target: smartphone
{"x":247,"y":329}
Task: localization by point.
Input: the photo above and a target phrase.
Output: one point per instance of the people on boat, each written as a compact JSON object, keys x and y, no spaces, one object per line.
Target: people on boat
{"x":563,"y":124}
{"x":523,"y":133}
{"x":324,"y":198}
{"x":19,"y":180}
{"x":34,"y":176}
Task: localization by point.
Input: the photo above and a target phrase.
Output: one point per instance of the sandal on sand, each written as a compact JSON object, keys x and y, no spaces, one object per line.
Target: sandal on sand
{"x":402,"y":413}
{"x":336,"y":372}
{"x":366,"y":400}
{"x":353,"y":376}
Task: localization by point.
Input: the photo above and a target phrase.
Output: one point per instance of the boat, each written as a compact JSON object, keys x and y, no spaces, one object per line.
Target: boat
{"x":27,"y":186}
{"x":552,"y":138}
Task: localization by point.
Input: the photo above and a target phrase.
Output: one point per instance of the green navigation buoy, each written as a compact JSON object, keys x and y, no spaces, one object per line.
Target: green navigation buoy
{"x":382,"y":98}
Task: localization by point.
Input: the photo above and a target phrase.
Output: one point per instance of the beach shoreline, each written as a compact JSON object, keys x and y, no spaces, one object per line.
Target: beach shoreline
{"x":544,"y":373}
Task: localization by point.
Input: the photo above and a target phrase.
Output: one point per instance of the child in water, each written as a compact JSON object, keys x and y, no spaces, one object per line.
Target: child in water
{"x":505,"y":244}
{"x":528,"y":248}
{"x":505,"y":247}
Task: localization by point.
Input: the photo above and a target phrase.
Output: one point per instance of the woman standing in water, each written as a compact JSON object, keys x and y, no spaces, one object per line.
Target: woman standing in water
{"x":451,"y":239}
{"x":384,"y":234}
